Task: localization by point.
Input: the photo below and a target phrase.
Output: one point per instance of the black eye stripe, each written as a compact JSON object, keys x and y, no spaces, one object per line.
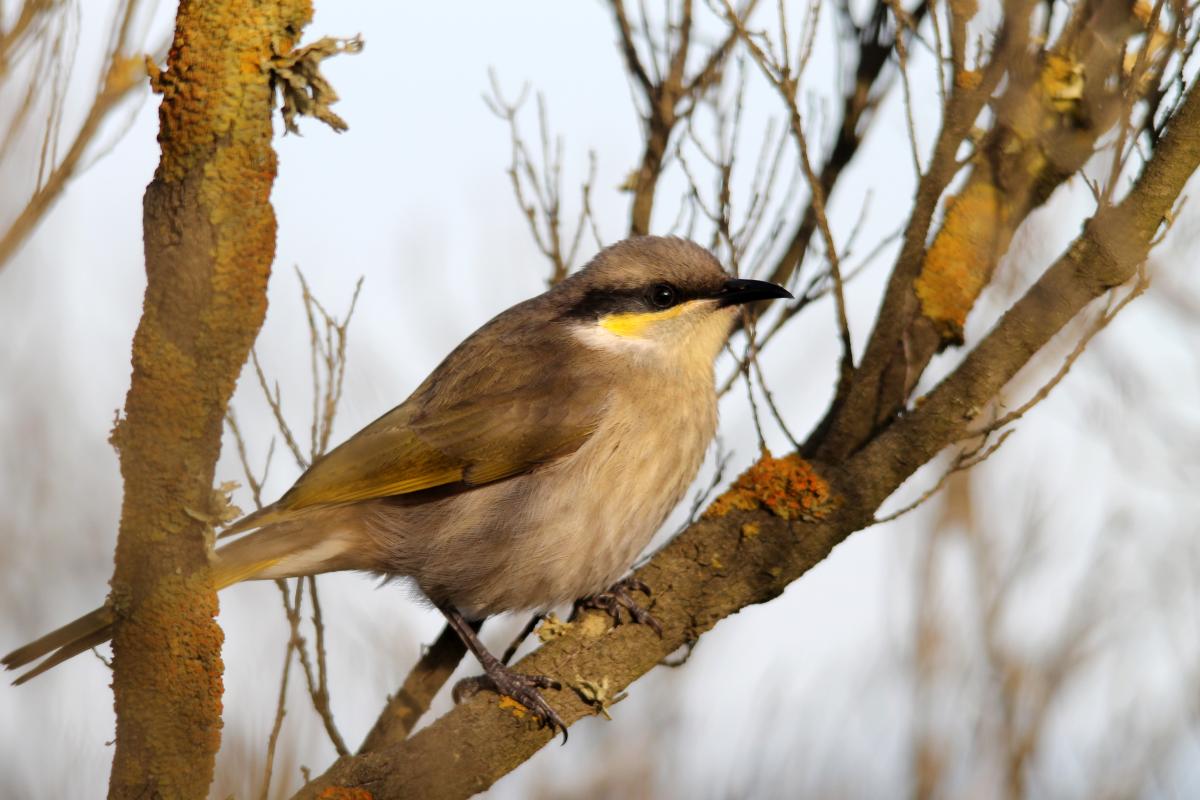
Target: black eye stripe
{"x":598,"y":303}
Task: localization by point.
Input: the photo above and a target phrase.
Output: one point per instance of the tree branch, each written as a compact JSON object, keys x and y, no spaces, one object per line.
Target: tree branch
{"x":1046,"y":126}
{"x":784,"y":515}
{"x":667,"y":99}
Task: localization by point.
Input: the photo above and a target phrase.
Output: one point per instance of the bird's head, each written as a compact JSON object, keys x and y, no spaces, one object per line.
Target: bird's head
{"x":655,"y":297}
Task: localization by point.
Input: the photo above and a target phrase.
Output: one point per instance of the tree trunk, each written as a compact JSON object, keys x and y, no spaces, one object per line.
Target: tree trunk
{"x":209,"y":244}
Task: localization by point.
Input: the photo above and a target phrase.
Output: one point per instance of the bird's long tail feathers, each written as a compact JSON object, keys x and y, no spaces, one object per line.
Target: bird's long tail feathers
{"x":284,"y":550}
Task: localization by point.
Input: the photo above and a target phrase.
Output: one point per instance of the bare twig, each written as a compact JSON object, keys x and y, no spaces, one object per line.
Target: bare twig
{"x":1101,"y":322}
{"x":665,"y":93}
{"x":277,"y":726}
{"x":903,"y":21}
{"x":327,"y":361}
{"x":276,"y":405}
{"x":122,"y":74}
{"x":966,"y":459}
{"x":721,"y":456}
{"x":255,"y":483}
{"x":312,"y":677}
{"x":780,"y":75}
{"x":543,"y":215}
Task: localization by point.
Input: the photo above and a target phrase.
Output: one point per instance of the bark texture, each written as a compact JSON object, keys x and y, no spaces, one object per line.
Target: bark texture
{"x":784,"y":515}
{"x":209,"y":244}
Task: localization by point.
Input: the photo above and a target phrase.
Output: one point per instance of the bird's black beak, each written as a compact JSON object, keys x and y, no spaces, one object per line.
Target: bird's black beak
{"x":742,"y":290}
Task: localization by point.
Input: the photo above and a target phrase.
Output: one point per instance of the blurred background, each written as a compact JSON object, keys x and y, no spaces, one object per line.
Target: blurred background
{"x":1033,"y":630}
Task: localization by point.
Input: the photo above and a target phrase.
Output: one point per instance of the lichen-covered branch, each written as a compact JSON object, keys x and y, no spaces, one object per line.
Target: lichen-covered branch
{"x":209,"y":244}
{"x":1047,"y":123}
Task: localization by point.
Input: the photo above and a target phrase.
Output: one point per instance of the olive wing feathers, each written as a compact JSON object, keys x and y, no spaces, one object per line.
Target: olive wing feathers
{"x":485,"y":414}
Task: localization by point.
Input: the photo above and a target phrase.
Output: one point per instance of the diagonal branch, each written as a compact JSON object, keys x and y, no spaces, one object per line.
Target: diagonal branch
{"x":784,"y":515}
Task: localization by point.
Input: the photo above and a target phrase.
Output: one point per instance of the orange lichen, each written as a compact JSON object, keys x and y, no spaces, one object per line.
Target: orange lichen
{"x":968,"y":79}
{"x":788,"y":487}
{"x":1062,"y":82}
{"x":178,"y":643}
{"x":518,"y":709}
{"x":345,"y":793}
{"x":962,"y":257}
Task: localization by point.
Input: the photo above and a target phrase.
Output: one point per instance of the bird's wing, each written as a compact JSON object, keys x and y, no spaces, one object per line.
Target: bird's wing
{"x":481,"y":417}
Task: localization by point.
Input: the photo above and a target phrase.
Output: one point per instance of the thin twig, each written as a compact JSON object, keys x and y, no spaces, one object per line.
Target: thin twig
{"x":521,"y":636}
{"x":276,"y":406}
{"x":965,"y":460}
{"x":778,"y":75}
{"x":1101,"y":322}
{"x":320,"y":699}
{"x":903,"y":21}
{"x":700,"y":501}
{"x":543,"y":216}
{"x":277,"y":726}
{"x":120,"y":77}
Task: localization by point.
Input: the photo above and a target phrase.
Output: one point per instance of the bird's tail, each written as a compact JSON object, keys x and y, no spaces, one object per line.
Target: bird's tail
{"x":90,"y":630}
{"x":277,"y":551}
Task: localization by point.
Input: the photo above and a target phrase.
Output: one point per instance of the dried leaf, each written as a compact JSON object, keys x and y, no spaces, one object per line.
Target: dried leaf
{"x":304,"y":89}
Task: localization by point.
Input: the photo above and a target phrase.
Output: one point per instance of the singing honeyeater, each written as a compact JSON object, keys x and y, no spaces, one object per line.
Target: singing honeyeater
{"x":528,"y":470}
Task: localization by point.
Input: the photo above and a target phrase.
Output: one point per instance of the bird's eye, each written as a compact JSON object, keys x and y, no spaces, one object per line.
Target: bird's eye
{"x":663,"y":295}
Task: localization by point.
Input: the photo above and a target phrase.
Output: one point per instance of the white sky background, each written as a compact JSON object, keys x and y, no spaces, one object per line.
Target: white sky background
{"x":803,"y":694}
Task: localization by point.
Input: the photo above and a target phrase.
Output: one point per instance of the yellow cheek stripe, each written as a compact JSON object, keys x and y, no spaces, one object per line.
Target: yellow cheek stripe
{"x":633,"y":324}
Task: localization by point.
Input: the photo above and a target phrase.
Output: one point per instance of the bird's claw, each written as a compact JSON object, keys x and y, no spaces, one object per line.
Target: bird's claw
{"x":618,"y":597}
{"x":520,"y":687}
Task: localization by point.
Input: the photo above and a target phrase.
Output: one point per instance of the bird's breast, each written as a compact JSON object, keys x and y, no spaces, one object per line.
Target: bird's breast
{"x":592,"y":513}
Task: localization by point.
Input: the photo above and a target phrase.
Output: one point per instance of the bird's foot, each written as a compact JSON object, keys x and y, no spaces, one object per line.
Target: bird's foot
{"x":518,"y":686}
{"x":618,"y":597}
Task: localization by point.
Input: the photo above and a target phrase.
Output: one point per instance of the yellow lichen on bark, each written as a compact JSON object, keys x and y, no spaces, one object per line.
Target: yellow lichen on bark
{"x":209,"y":242}
{"x":788,"y":487}
{"x":1042,"y":134}
{"x":175,"y":623}
{"x":963,"y":255}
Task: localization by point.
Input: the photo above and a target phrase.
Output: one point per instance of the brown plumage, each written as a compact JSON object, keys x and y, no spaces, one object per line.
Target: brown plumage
{"x":528,"y":470}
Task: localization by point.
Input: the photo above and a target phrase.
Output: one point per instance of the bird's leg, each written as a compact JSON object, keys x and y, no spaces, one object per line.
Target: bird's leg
{"x":618,"y":596}
{"x":502,"y":680}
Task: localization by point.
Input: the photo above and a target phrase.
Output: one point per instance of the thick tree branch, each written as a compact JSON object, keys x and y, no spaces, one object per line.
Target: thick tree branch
{"x":784,"y":515}
{"x":209,"y":243}
{"x":404,"y":709}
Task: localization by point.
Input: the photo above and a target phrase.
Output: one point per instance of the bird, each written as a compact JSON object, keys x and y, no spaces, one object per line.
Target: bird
{"x":528,"y":471}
